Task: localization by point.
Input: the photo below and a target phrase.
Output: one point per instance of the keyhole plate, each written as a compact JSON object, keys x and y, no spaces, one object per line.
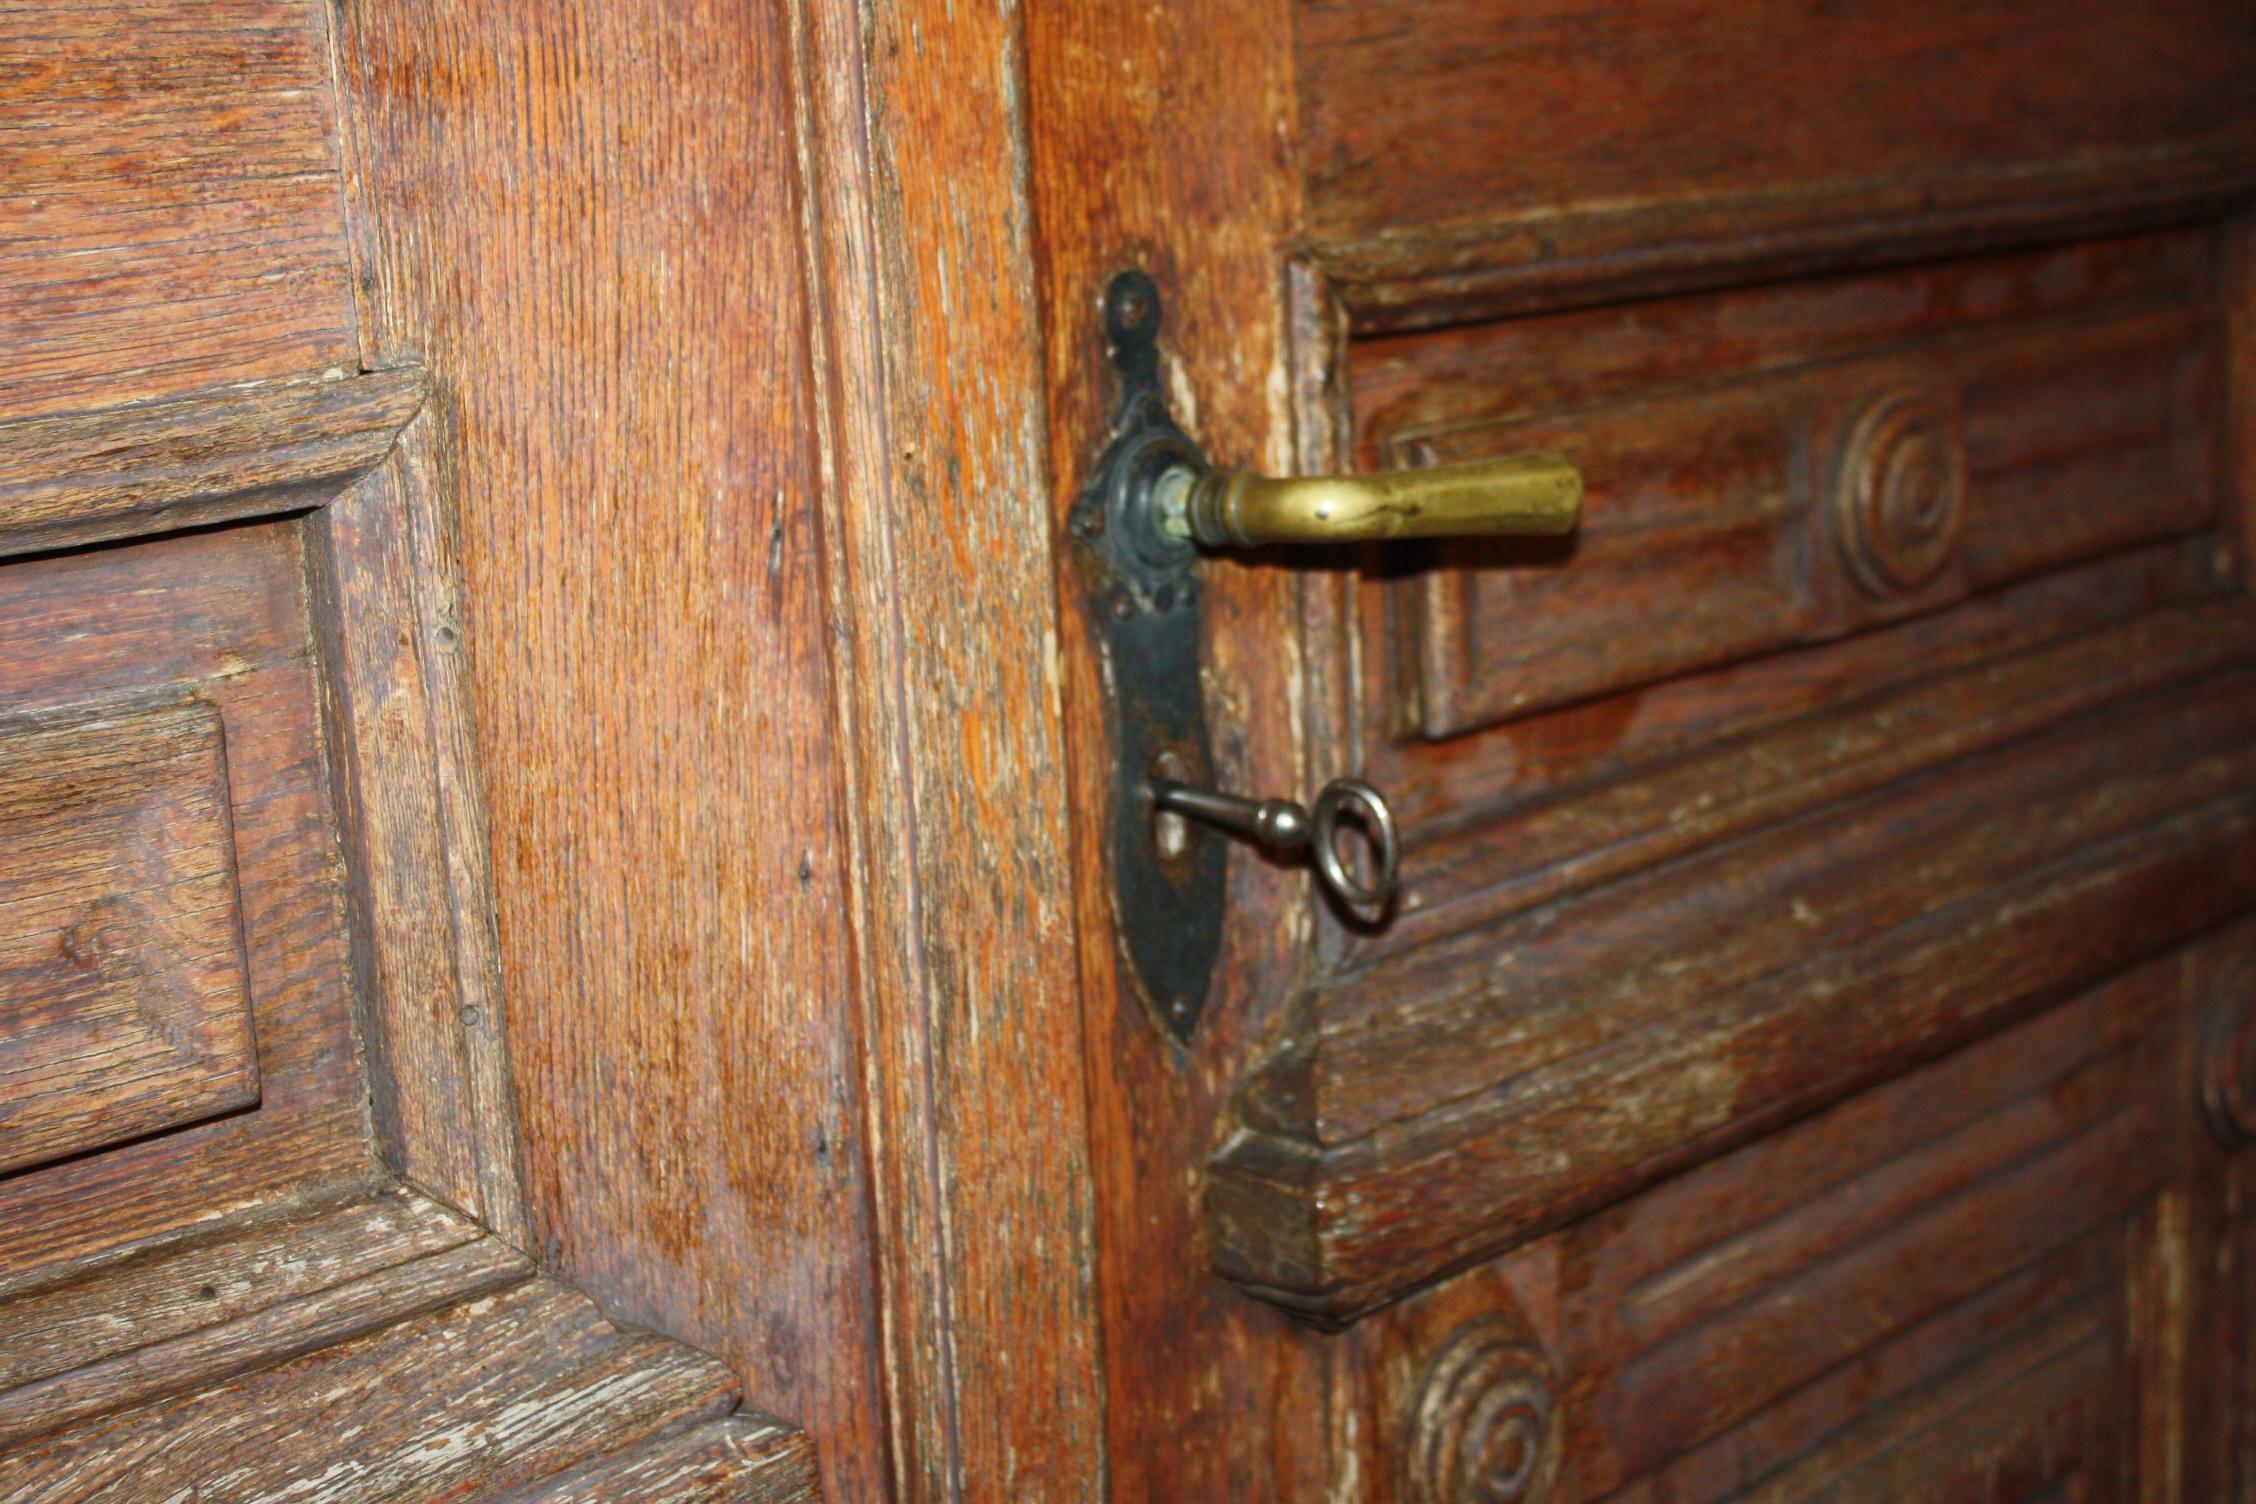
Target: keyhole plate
{"x":1142,"y":591}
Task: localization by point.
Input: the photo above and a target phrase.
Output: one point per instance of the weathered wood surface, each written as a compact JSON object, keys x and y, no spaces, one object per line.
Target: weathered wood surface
{"x":1467,"y":158}
{"x":741,"y":1459}
{"x":169,"y":209}
{"x":721,"y":1076}
{"x":122,"y":989}
{"x":1979,"y":1281}
{"x":186,"y":1320}
{"x":180,"y":1285}
{"x":387,"y":587}
{"x":1551,"y":1062}
{"x":581,"y":219}
{"x":536,"y":1382}
{"x":1161,"y":139}
{"x":2068,"y":400}
{"x":216,"y":617}
{"x":189,"y":461}
{"x":948,"y":682}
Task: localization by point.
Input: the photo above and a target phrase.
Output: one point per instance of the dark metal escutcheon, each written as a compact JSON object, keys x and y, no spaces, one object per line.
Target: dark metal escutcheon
{"x":1143,"y":589}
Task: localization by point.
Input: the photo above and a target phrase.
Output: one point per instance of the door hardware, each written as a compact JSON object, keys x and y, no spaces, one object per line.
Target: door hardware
{"x":1534,"y":494}
{"x":1150,"y":507}
{"x":1287,"y":826}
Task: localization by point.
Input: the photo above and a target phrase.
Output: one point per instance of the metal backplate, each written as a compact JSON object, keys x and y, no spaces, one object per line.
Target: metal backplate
{"x":1143,"y":590}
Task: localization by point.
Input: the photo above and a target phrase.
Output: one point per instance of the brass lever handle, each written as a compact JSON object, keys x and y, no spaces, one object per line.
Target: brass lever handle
{"x":1536,"y":493}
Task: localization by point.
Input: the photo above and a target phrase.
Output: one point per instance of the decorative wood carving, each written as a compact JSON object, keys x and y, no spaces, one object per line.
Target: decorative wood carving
{"x":1485,"y":1426}
{"x":1899,"y":497}
{"x":2067,"y":416}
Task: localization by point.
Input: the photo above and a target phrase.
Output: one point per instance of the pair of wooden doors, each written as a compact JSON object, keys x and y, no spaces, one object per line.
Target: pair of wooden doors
{"x":556,"y":757}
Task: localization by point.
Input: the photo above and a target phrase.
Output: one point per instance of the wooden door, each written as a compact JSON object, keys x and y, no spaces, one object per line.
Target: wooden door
{"x":1804,"y":1061}
{"x":501,"y":992}
{"x":556,"y":930}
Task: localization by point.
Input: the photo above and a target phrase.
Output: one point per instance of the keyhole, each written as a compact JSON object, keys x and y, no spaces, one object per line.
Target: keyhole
{"x":1171,"y":833}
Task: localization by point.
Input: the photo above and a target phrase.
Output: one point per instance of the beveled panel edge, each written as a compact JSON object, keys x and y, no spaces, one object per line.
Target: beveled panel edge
{"x":393,"y":1300}
{"x":183,"y":1312}
{"x":385,"y":588}
{"x":1304,"y":1224}
{"x":1530,"y":263}
{"x":220,"y":455}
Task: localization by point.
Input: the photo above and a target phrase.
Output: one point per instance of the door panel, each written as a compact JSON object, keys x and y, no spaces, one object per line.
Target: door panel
{"x":1467,"y":156}
{"x":1776,"y":1079}
{"x":174,"y":215}
{"x":124,"y":956}
{"x":1746,"y":455}
{"x":1973,"y":1282}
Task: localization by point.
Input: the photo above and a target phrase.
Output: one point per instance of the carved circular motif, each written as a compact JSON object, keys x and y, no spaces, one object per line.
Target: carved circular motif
{"x":1484,"y":1428}
{"x":2228,"y":1057}
{"x":1901,"y":493}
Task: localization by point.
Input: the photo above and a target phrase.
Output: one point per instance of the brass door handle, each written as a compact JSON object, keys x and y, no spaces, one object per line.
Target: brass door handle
{"x":1536,"y":493}
{"x":1150,"y":503}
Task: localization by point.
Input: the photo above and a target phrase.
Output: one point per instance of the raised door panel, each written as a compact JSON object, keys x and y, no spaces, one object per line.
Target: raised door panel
{"x":1463,"y":154}
{"x":171,"y":198}
{"x":1973,"y":1283}
{"x":121,"y":967}
{"x":213,"y":909}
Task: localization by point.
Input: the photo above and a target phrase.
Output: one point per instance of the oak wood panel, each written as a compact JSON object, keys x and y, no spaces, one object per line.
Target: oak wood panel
{"x":740,"y":1459}
{"x":1970,"y":1282}
{"x":169,"y":206}
{"x":538,"y":1383}
{"x":584,"y":221}
{"x":1462,"y":156}
{"x":218,"y":617}
{"x":1547,"y":847}
{"x":1514,"y":1064}
{"x":209,"y":456}
{"x":2075,"y":393}
{"x":152,"y":1375}
{"x":121,"y":964}
{"x":178,"y":1286}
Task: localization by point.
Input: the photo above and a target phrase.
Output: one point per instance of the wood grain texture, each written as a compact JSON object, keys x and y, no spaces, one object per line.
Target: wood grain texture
{"x":1821,"y":952}
{"x":538,"y":1383}
{"x":387,"y":592}
{"x":210,"y":456}
{"x":169,"y":209}
{"x":121,"y":967}
{"x":948,"y":677}
{"x":1967,"y":1283}
{"x":305,"y":1321}
{"x":216,"y":617}
{"x":583,"y":219}
{"x":742,"y":1459}
{"x":2071,"y":397}
{"x":1463,"y":158}
{"x":1161,"y":138}
{"x":208,"y":1278}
